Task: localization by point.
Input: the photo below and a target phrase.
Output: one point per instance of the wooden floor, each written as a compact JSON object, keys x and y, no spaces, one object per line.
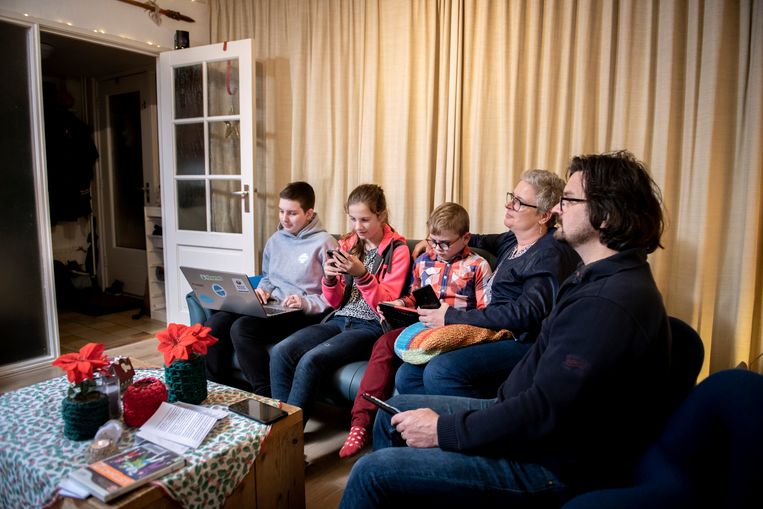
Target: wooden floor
{"x":325,"y":473}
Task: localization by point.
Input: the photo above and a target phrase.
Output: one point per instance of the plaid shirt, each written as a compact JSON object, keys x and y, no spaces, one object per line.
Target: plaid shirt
{"x":459,"y":283}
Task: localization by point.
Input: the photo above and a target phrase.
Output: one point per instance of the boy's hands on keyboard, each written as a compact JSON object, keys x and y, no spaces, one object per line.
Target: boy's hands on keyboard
{"x":292,"y":301}
{"x":262,"y":295}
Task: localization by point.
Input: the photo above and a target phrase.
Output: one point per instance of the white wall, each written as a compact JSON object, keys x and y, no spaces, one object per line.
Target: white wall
{"x":115,"y":21}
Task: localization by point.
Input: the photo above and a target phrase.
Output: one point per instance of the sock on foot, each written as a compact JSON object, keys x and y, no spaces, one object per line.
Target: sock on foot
{"x":355,"y":441}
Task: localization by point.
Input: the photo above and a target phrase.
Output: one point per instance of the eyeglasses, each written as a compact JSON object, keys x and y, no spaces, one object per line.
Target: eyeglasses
{"x":517,"y":204}
{"x":442,"y":244}
{"x":569,"y":201}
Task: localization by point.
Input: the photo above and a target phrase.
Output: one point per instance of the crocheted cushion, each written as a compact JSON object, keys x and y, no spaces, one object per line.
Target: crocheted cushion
{"x":418,"y":344}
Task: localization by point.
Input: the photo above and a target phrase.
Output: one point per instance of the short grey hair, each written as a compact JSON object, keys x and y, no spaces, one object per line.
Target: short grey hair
{"x":549,"y":188}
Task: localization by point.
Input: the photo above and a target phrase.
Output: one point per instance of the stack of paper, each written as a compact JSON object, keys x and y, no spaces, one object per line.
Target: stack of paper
{"x":180,"y":426}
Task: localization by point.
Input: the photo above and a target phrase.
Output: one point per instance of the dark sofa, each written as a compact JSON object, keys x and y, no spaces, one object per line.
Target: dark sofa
{"x":344,"y":383}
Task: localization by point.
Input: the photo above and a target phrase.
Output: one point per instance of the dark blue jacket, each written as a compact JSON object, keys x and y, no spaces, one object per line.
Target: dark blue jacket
{"x":588,"y":396}
{"x":524,"y":288}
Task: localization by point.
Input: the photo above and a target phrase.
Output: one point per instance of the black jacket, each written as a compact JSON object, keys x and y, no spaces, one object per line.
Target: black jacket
{"x":588,"y":396}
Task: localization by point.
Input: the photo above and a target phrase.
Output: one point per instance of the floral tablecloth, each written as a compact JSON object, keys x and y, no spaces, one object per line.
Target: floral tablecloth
{"x":35,"y":456}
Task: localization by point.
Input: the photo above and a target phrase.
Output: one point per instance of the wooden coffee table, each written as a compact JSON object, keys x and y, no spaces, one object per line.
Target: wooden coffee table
{"x":276,"y":479}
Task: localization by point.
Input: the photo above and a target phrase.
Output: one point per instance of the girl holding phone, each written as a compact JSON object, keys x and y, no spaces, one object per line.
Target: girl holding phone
{"x":371,"y":266}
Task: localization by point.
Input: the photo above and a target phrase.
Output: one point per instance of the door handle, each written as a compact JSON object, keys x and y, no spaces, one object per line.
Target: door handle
{"x":244,"y":196}
{"x":147,"y":189}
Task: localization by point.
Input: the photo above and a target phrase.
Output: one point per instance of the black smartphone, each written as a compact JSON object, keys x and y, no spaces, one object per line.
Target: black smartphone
{"x":335,"y":253}
{"x":257,"y":410}
{"x":381,"y":404}
{"x":426,"y":298}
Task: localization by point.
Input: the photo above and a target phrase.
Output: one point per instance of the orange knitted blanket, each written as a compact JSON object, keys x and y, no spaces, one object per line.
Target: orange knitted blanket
{"x":418,"y":344}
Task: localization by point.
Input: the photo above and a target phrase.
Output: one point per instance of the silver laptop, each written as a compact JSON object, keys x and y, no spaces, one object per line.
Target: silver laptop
{"x":228,"y":291}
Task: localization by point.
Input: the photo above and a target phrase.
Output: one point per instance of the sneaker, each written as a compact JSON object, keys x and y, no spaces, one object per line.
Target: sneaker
{"x":355,"y":441}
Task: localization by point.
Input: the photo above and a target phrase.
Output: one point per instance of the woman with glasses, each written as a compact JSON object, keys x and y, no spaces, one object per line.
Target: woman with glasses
{"x":531,"y":266}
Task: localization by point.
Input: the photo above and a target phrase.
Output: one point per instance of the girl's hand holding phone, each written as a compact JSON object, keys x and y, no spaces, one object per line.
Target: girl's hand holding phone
{"x":349,"y":264}
{"x":345,"y":263}
{"x":330,"y":268}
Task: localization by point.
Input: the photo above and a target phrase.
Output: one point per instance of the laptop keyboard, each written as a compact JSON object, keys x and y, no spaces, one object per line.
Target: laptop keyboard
{"x":272,"y":310}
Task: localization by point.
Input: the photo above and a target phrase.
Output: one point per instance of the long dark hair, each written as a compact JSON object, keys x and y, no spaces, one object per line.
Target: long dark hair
{"x":624,"y":203}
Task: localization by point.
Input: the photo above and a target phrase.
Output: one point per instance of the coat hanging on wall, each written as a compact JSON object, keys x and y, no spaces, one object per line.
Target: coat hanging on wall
{"x":71,"y":154}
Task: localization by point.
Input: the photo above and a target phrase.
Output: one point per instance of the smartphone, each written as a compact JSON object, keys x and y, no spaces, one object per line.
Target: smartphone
{"x":426,"y":298}
{"x":257,"y":410}
{"x":335,"y":253}
{"x":381,"y":404}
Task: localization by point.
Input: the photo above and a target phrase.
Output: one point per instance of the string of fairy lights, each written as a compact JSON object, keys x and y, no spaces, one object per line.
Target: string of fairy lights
{"x":102,"y":31}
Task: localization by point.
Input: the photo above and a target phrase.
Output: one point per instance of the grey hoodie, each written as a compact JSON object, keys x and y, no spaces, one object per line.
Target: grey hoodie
{"x":293,"y":265}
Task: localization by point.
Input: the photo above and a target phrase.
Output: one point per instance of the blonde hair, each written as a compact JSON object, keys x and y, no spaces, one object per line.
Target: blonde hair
{"x":548,"y":190}
{"x":450,"y":217}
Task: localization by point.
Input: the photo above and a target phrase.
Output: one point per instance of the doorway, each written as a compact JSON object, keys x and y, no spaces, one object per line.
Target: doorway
{"x":99,"y":240}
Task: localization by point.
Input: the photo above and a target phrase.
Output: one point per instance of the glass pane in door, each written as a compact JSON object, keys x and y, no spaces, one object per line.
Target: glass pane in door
{"x":189,"y":91}
{"x":224,"y":148}
{"x":222,"y":78}
{"x":127,"y":170}
{"x":189,"y":147}
{"x":22,"y":302}
{"x":226,"y":206}
{"x":192,"y":205}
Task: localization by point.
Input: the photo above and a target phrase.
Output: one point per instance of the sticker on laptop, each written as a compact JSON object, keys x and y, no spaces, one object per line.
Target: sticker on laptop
{"x":219,"y":290}
{"x":240,"y":285}
{"x":206,"y":299}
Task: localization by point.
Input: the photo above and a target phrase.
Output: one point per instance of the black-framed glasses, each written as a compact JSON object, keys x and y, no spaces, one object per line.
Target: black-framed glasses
{"x":569,"y":200}
{"x":517,"y":204}
{"x":444,"y":245}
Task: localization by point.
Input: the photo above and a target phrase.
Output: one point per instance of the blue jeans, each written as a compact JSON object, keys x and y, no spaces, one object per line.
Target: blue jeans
{"x":302,"y":362}
{"x":472,"y":372}
{"x":394,"y":476}
{"x":247,"y":339}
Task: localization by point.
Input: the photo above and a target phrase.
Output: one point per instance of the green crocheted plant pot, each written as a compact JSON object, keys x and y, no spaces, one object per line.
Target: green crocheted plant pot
{"x":83,"y":418}
{"x":186,"y":380}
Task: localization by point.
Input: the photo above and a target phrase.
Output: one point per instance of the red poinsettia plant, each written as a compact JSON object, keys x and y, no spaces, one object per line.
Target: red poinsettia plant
{"x":81,"y":367}
{"x":179,"y":342}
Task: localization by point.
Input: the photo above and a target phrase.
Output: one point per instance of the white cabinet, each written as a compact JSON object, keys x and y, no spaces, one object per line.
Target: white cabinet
{"x":155,"y":263}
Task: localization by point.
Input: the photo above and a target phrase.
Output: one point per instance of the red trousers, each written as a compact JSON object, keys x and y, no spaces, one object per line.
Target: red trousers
{"x":378,"y":380}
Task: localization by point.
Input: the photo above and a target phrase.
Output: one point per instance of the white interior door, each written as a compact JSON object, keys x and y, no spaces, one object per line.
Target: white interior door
{"x":127,"y":165}
{"x":207,"y":152}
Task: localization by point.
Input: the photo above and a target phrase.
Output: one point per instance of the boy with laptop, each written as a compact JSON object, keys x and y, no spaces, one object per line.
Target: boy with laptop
{"x":292,"y":267}
{"x":458,"y":277}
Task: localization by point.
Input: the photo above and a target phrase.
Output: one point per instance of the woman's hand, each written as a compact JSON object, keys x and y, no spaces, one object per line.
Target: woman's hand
{"x":433,"y":317}
{"x":292,"y":301}
{"x":419,"y":248}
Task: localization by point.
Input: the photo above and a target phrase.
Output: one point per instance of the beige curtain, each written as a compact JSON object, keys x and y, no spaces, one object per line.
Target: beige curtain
{"x":451,"y":100}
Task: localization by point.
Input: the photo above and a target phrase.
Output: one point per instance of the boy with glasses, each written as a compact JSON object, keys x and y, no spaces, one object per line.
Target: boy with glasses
{"x":458,"y":277}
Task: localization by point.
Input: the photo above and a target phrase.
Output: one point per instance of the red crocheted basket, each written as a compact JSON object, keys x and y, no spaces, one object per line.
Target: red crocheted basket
{"x":141,"y":400}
